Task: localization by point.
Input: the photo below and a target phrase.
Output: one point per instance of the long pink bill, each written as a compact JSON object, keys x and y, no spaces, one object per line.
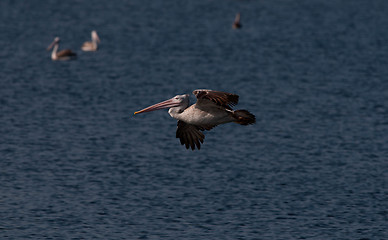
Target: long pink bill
{"x":51,"y":46}
{"x":165,"y":104}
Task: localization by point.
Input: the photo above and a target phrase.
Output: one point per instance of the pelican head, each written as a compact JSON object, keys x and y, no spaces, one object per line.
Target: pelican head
{"x":95,"y":36}
{"x":176,"y":104}
{"x":56,"y":41}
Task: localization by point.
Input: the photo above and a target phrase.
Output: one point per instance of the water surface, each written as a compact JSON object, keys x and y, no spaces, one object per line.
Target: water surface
{"x":76,"y":164}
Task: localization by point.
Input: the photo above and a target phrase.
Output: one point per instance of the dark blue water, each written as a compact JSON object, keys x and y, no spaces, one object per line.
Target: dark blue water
{"x":76,"y":164}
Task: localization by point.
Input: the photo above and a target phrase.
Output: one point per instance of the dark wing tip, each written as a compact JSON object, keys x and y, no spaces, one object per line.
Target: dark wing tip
{"x":189,"y":135}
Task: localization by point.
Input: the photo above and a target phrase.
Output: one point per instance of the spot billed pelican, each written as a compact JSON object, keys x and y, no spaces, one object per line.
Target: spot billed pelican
{"x":65,"y":54}
{"x":211,"y":109}
{"x":91,"y":46}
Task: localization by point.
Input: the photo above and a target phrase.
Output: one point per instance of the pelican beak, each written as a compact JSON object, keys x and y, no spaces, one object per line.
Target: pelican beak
{"x":51,"y":46}
{"x":165,"y":104}
{"x":98,"y":38}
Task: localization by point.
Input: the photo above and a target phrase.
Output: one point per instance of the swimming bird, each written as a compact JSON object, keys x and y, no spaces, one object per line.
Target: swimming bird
{"x":236,"y":23}
{"x":91,"y":46}
{"x":211,"y":109}
{"x":61,"y":55}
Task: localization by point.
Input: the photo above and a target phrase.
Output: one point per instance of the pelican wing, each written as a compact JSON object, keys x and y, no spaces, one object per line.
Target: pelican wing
{"x":223,"y":99}
{"x":65,"y":53}
{"x":87,"y":44}
{"x":190,"y":135}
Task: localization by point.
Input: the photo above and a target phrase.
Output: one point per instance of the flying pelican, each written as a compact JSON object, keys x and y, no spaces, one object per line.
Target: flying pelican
{"x":236,"y":23}
{"x":61,"y":55}
{"x":211,"y":109}
{"x":91,"y":46}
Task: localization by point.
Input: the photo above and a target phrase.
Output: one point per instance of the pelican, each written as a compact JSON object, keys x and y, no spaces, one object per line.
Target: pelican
{"x":236,"y":23}
{"x":61,"y":55}
{"x":211,"y":109}
{"x":91,"y":46}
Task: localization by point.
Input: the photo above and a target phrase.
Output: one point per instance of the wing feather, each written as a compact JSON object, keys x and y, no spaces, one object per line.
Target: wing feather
{"x":65,"y":53}
{"x":223,"y":99}
{"x":189,"y":135}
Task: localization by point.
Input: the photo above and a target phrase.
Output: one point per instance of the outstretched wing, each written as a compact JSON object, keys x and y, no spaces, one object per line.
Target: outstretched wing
{"x":190,"y":135}
{"x":223,"y":99}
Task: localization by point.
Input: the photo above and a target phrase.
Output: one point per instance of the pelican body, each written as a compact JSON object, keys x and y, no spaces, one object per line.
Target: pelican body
{"x":211,"y":109}
{"x":93,"y":45}
{"x":65,"y":54}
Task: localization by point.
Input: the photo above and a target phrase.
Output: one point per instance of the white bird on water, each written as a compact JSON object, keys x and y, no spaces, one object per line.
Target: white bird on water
{"x":65,"y":54}
{"x":211,"y":109}
{"x":91,"y":46}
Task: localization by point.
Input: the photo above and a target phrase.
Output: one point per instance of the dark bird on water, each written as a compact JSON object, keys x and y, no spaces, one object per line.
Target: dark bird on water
{"x":211,"y":109}
{"x":236,"y":23}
